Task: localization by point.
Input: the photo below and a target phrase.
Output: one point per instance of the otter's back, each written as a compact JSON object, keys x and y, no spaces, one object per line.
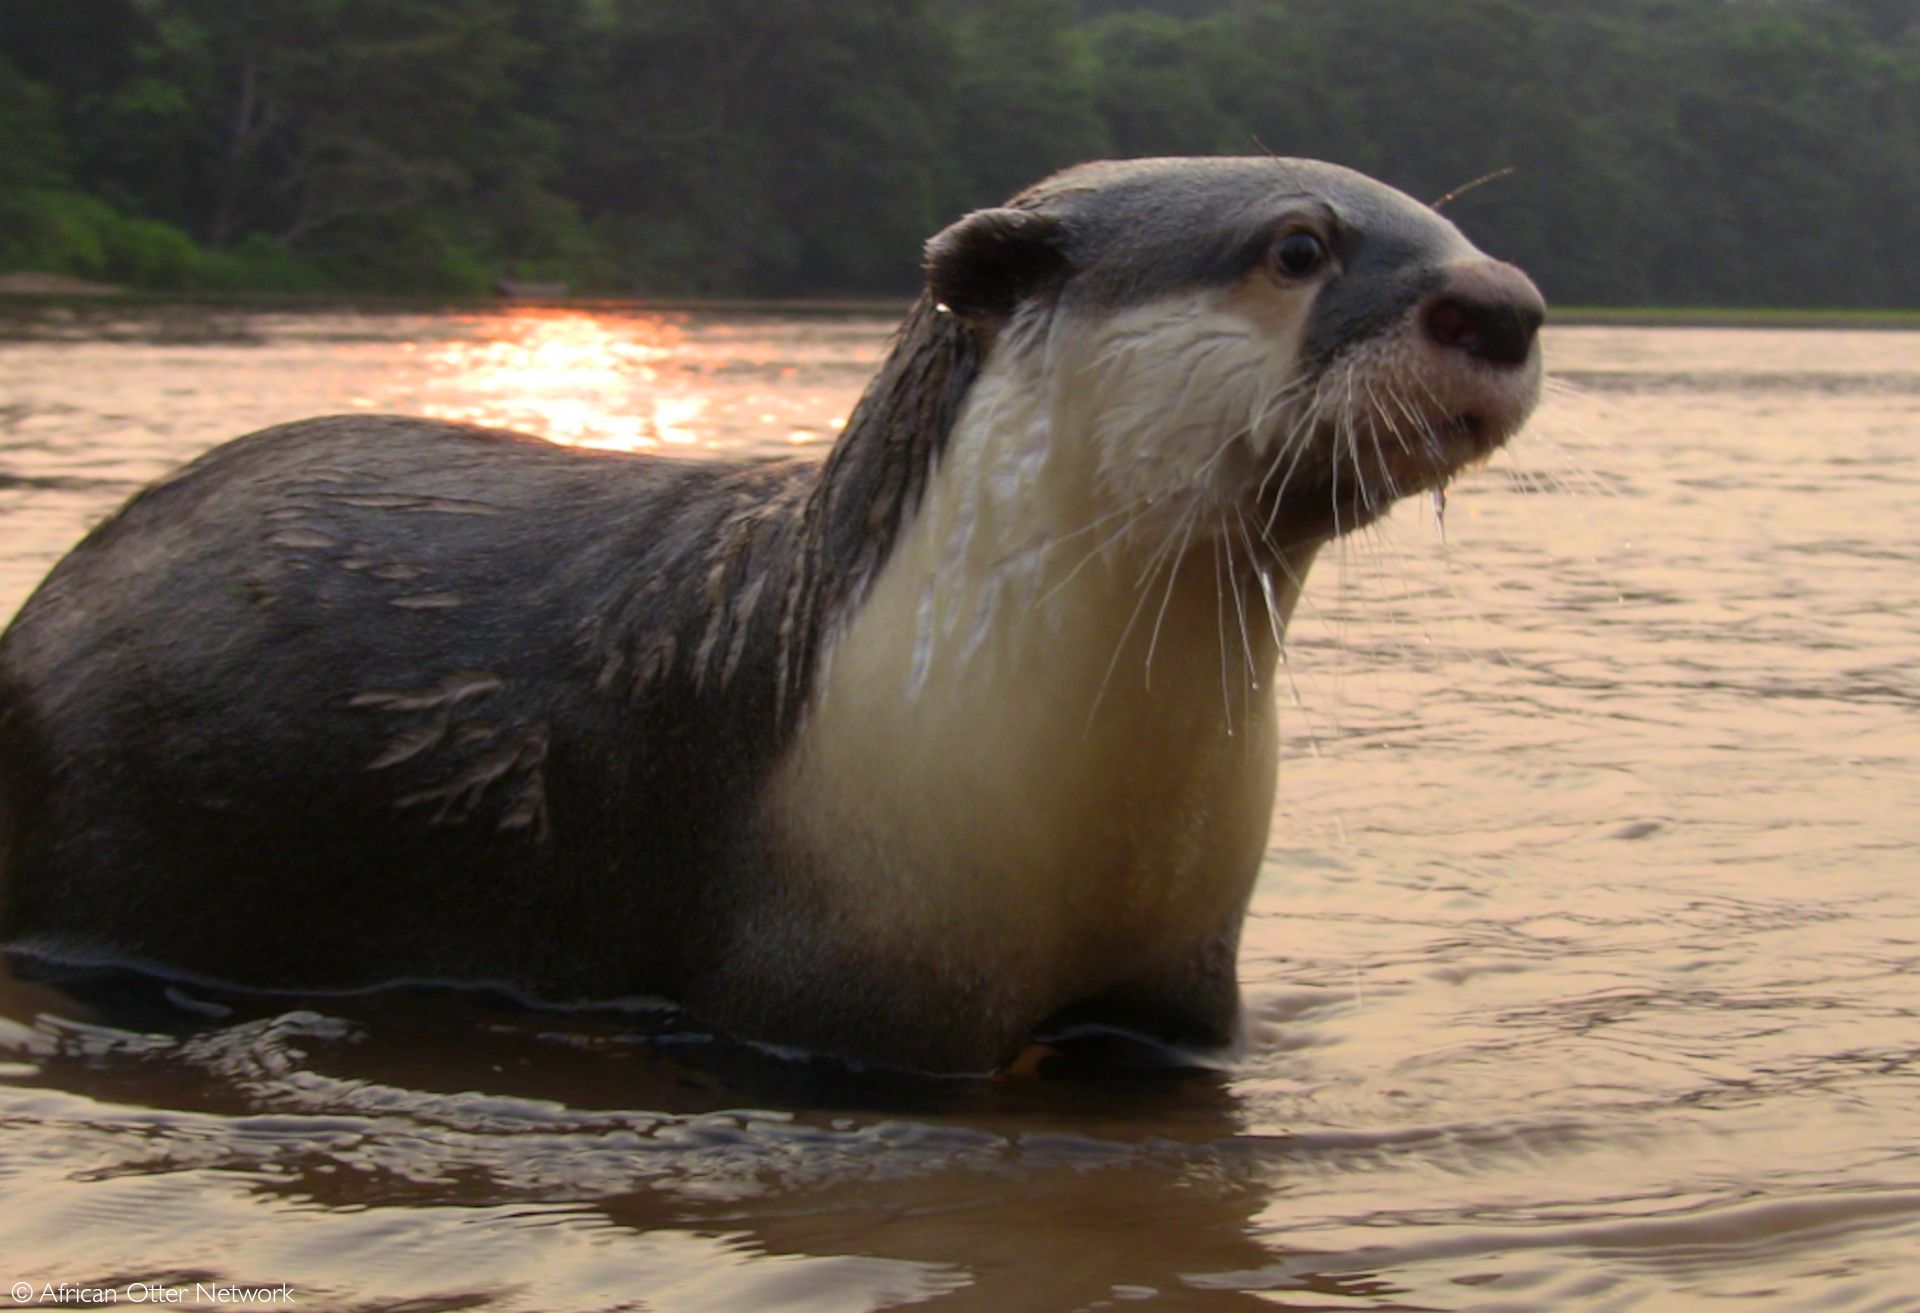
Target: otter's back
{"x":365,"y":679}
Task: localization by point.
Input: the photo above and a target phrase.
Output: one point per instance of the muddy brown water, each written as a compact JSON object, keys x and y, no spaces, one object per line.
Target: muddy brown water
{"x":1582,"y":969}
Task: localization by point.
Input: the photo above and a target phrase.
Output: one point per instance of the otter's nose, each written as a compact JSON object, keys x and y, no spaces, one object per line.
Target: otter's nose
{"x":1489,"y":310}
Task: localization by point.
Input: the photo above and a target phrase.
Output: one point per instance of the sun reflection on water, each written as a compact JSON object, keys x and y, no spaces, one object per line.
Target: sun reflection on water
{"x":574,"y":377}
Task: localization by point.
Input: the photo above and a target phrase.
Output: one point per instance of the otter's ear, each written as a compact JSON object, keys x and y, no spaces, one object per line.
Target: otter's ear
{"x":984,"y":265}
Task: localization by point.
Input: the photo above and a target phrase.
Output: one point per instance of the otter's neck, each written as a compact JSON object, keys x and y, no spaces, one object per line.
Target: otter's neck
{"x":1033,"y":704}
{"x":1001,"y":551}
{"x":871,"y":484}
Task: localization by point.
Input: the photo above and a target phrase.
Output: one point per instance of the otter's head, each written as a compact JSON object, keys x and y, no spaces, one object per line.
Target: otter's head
{"x":1249,"y":346}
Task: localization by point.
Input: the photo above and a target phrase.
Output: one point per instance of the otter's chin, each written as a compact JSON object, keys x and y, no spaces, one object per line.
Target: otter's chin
{"x":1375,"y":469}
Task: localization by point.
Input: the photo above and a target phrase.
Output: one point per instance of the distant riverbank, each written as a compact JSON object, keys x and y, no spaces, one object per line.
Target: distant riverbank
{"x":53,"y":287}
{"x":32,"y":284}
{"x":1732,"y":317}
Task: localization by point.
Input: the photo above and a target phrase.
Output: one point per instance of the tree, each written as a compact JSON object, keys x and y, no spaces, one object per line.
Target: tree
{"x":1023,"y":97}
{"x":1735,"y":151}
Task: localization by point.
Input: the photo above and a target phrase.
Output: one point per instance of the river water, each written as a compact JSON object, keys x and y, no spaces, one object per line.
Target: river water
{"x":1584,"y":967}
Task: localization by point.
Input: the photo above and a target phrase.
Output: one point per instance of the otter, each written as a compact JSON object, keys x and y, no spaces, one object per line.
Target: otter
{"x":961,"y":736}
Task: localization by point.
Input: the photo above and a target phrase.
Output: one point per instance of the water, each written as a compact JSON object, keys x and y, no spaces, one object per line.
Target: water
{"x":1582,"y":967}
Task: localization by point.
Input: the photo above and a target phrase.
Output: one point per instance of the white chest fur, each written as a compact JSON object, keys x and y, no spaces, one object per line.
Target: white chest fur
{"x":1046,"y":740}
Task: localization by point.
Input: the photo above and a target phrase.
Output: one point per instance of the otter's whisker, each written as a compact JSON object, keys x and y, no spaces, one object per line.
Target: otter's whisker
{"x":1135,"y":513}
{"x":1296,"y":440}
{"x":1239,"y":603}
{"x":1334,"y":462}
{"x":1220,"y":633}
{"x":1270,"y":402}
{"x":1418,"y":429}
{"x":1153,"y":639}
{"x":1378,"y":411}
{"x":1162,"y":556}
{"x":1266,"y":582}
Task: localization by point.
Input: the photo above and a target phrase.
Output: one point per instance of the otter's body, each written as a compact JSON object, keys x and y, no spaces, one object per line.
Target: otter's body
{"x":965,"y":733}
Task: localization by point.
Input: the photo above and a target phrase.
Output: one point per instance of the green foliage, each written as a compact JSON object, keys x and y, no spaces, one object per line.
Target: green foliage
{"x":64,"y":232}
{"x":149,"y":253}
{"x":1024,"y":94}
{"x":430,"y":252}
{"x":1158,"y":88}
{"x":72,"y":233}
{"x":734,"y":146}
{"x":53,"y":232}
{"x":33,"y":150}
{"x":1739,"y":152}
{"x":257,"y":263}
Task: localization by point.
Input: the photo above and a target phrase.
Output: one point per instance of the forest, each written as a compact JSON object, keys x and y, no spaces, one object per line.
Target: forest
{"x":1662,"y":152}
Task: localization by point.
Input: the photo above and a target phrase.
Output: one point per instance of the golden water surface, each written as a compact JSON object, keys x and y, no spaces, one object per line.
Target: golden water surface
{"x":1584,"y":967}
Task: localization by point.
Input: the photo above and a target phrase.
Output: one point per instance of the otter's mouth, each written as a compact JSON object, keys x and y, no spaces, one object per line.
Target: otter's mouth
{"x":1469,"y":429}
{"x":1435,"y":451}
{"x":1363,"y":471}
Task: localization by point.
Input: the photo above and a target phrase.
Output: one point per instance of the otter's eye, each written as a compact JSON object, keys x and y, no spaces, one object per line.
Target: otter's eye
{"x":1299,"y":254}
